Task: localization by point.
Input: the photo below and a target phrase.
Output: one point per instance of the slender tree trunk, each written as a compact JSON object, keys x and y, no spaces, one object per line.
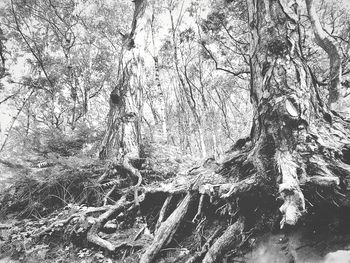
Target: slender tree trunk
{"x":2,"y":54}
{"x":14,"y":118}
{"x":162,"y":101}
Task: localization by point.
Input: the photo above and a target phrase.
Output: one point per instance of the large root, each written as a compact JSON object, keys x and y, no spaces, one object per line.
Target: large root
{"x":92,"y":235}
{"x":230,"y":239}
{"x":198,"y":256}
{"x":167,"y":230}
{"x":163,"y":211}
{"x":66,"y":221}
{"x":293,"y":198}
{"x":135,"y":173}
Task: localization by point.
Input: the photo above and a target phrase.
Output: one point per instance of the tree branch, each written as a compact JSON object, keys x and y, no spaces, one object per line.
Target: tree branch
{"x":325,"y":42}
{"x":242,"y":71}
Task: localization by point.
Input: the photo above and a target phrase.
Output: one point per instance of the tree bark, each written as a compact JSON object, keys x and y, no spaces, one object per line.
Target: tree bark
{"x":2,"y":54}
{"x":167,"y":230}
{"x":122,"y":136}
{"x":290,"y":117}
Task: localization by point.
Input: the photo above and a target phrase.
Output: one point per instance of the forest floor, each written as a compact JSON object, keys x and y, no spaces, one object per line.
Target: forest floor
{"x":48,"y":210}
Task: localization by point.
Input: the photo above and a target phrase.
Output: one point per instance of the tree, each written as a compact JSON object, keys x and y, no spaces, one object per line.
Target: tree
{"x":294,"y":162}
{"x":122,"y":134}
{"x":289,"y":153}
{"x":2,"y":54}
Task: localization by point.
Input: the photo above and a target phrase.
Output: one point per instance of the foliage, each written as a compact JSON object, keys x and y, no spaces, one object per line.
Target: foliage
{"x":186,"y":81}
{"x":42,"y":190}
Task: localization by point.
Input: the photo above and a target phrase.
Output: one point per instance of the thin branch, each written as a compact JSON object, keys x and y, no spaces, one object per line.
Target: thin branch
{"x":325,"y":42}
{"x":242,"y":71}
{"x":14,"y":120}
{"x":29,"y":46}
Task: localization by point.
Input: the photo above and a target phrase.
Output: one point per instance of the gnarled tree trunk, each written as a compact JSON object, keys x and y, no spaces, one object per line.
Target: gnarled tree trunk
{"x":291,"y":140}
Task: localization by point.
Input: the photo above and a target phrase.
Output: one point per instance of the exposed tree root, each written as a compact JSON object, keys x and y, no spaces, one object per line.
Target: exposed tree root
{"x":64,"y":222}
{"x":289,"y":189}
{"x":5,"y":226}
{"x":92,"y":235}
{"x":198,"y":256}
{"x":163,"y":211}
{"x":136,"y":173}
{"x":230,"y":189}
{"x":240,"y":182}
{"x":167,"y":230}
{"x":106,"y":198}
{"x":200,"y":207}
{"x":230,"y":239}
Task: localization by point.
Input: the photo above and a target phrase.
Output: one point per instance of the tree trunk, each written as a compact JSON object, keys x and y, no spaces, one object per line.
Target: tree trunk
{"x":122,"y":136}
{"x":291,"y":127}
{"x":162,"y":102}
{"x":2,"y":54}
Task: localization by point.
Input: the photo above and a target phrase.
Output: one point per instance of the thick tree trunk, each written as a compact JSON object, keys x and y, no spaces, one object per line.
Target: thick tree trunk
{"x":122,"y":136}
{"x":291,"y":123}
{"x":296,"y":148}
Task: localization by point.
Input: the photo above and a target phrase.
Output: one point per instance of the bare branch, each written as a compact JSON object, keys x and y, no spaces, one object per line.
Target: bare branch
{"x":242,"y":71}
{"x":325,"y":42}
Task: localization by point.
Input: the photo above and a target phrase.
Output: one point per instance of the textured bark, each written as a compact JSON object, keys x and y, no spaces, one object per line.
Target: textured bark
{"x":163,"y":211}
{"x":167,"y":230}
{"x":161,"y":100}
{"x":291,"y":125}
{"x":93,"y":236}
{"x":2,"y":54}
{"x":122,"y":135}
{"x":198,"y":256}
{"x":231,"y":238}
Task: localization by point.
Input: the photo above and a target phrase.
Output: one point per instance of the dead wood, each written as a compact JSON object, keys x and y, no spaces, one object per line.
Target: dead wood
{"x":5,"y":226}
{"x":230,"y":189}
{"x":163,"y":211}
{"x":200,"y":254}
{"x":167,"y":230}
{"x":67,"y":220}
{"x":229,"y":240}
{"x":92,"y":235}
{"x":105,"y":199}
{"x":199,"y":210}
